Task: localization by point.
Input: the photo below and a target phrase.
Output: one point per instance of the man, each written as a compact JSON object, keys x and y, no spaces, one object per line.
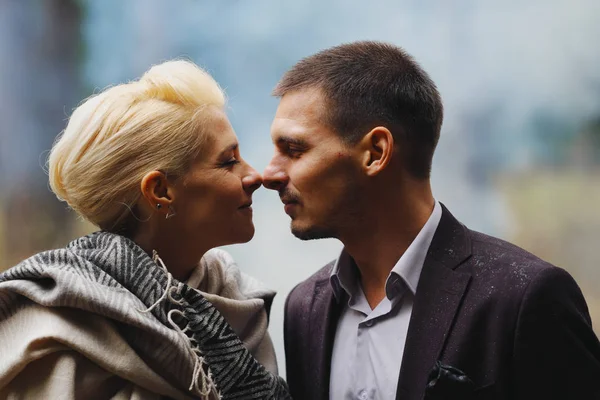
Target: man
{"x":417,"y":305}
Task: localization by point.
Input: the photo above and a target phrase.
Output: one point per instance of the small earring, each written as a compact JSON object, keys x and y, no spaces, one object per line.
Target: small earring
{"x":171,"y":213}
{"x":158,"y":206}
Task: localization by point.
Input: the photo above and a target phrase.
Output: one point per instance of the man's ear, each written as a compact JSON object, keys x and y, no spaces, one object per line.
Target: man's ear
{"x":157,"y":191}
{"x":377,"y":147}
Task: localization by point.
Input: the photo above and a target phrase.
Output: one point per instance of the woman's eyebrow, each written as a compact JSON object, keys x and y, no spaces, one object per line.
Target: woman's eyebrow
{"x":231,"y":147}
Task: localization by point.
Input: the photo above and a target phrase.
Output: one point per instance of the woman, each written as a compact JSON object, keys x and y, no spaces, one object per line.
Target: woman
{"x":156,"y":166}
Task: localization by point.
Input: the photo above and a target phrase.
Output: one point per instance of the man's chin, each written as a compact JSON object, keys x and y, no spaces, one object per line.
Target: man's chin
{"x":311,"y":232}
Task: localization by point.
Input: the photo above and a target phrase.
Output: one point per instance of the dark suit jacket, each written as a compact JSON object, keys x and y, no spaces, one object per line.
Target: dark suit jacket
{"x":516,"y":325}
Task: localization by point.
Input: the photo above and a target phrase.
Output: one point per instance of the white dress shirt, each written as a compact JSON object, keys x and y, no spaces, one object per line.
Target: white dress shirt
{"x":369,"y":343}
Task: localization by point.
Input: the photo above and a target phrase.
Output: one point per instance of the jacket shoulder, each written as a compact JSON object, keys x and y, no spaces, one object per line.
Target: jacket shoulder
{"x":511,"y":270}
{"x":304,"y":290}
{"x":492,"y":251}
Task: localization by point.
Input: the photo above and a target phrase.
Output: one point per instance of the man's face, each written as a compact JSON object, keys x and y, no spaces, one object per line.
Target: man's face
{"x":315,"y":173}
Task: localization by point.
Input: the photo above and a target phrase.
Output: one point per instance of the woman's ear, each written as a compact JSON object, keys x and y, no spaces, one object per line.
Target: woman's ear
{"x":377,"y":147}
{"x":157,"y":191}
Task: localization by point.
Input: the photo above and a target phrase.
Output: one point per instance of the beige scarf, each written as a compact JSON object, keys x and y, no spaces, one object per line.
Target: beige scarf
{"x":242,"y":300}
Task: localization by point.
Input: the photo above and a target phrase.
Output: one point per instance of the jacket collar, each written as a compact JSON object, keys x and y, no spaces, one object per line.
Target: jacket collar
{"x":437,"y":301}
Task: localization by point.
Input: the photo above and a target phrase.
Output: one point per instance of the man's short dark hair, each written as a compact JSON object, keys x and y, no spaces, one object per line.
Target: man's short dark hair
{"x":371,"y":83}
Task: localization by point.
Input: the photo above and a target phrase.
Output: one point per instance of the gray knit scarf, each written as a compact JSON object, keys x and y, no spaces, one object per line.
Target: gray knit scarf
{"x":100,"y":272}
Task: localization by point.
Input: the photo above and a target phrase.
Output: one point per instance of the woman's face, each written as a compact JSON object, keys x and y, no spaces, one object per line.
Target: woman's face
{"x":212,"y":200}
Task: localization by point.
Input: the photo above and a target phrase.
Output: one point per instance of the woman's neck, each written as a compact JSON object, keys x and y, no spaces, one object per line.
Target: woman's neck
{"x":178,"y":261}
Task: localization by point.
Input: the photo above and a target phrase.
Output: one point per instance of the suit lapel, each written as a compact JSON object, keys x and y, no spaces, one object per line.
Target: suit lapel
{"x":437,"y":301}
{"x":324,"y":315}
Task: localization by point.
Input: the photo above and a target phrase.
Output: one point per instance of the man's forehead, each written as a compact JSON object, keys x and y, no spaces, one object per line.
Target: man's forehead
{"x":299,"y":113}
{"x":302,"y":104}
{"x":286,"y":129}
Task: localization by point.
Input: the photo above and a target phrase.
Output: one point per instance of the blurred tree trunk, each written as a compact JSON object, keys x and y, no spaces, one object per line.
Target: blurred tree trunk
{"x":40,"y":47}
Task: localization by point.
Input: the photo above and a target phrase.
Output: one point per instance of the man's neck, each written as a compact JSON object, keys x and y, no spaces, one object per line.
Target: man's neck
{"x":389,"y":231}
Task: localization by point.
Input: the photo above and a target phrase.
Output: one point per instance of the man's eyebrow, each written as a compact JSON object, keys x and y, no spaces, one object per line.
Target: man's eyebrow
{"x":286,"y":140}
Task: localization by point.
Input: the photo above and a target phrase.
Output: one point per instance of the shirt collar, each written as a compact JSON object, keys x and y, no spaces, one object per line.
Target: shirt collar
{"x":406,"y":271}
{"x":344,"y":276}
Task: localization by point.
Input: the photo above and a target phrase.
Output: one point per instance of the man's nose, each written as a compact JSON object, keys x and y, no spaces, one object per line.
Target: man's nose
{"x":274,"y":177}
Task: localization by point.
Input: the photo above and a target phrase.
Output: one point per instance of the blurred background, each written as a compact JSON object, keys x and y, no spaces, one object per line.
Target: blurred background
{"x":519,"y":156}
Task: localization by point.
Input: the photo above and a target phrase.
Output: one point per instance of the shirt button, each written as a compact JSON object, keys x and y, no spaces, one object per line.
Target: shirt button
{"x":362,"y":395}
{"x":369,"y":323}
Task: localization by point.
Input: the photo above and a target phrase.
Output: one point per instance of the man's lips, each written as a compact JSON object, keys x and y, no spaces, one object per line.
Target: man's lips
{"x":288,"y":199}
{"x":289,"y":206}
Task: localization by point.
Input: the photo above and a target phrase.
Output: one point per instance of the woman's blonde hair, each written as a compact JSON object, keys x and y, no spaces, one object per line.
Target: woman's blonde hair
{"x":117,"y":136}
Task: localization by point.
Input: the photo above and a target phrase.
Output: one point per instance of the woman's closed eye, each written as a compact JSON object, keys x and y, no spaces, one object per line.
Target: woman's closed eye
{"x":231,"y":162}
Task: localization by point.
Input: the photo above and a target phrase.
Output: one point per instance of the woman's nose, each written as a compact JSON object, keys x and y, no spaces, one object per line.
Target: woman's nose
{"x":252,"y":180}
